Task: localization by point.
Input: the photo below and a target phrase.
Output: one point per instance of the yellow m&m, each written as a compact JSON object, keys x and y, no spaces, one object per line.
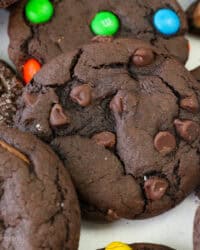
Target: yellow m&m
{"x":118,"y":246}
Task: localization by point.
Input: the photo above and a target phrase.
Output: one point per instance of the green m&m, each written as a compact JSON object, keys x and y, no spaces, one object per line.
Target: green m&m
{"x":39,"y":11}
{"x":105,"y":23}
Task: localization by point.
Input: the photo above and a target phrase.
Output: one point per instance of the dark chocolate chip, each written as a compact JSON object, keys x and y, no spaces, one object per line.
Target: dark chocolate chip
{"x":155,"y":188}
{"x":106,"y":139}
{"x":103,"y":39}
{"x":58,"y":117}
{"x":187,"y":129}
{"x":116,"y":104}
{"x":190,"y":104}
{"x":82,"y":95}
{"x":143,"y":57}
{"x":164,"y":142}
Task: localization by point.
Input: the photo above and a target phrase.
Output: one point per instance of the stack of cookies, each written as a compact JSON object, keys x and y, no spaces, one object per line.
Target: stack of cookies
{"x":99,"y":118}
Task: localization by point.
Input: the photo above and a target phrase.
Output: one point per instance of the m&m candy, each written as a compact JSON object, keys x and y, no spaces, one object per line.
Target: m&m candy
{"x":30,"y":68}
{"x":118,"y":246}
{"x":166,"y":21}
{"x":105,"y":23}
{"x":39,"y":11}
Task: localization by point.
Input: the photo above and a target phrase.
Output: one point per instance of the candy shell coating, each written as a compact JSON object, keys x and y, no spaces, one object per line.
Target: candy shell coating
{"x":166,"y":21}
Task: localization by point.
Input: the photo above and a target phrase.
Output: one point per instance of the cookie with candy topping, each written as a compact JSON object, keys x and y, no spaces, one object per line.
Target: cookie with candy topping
{"x":196,"y":73}
{"x":10,"y":90}
{"x":193,"y":14}
{"x":135,"y":246}
{"x":125,"y":120}
{"x":39,"y":208}
{"x":47,"y":28}
{"x":6,"y":3}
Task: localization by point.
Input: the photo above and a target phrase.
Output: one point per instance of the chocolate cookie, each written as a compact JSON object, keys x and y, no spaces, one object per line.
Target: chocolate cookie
{"x":39,"y":207}
{"x":10,"y":90}
{"x":69,"y":23}
{"x":136,"y":246}
{"x":196,"y":73}
{"x":193,"y":14}
{"x":6,"y":3}
{"x":125,"y":120}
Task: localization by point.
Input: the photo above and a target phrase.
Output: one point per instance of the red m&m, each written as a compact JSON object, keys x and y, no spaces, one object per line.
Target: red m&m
{"x":30,"y":68}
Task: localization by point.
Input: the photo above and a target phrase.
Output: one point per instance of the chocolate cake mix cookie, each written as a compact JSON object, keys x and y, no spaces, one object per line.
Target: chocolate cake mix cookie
{"x":193,"y":14}
{"x":48,"y":28}
{"x":125,"y":120}
{"x":196,"y":73}
{"x":6,"y":3}
{"x":136,"y":246}
{"x":10,"y":90}
{"x":39,"y":207}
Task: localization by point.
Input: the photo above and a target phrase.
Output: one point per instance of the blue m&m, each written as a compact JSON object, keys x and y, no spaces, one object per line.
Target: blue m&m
{"x":166,"y":21}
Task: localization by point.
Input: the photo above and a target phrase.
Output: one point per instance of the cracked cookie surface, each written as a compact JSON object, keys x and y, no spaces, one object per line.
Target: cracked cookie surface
{"x":39,"y":207}
{"x":10,"y":90}
{"x":125,"y":120}
{"x":69,"y":28}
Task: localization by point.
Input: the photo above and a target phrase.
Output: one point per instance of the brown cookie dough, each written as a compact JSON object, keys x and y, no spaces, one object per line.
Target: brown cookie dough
{"x":69,"y":28}
{"x":125,"y":120}
{"x":10,"y":90}
{"x":196,"y":73}
{"x":39,"y":207}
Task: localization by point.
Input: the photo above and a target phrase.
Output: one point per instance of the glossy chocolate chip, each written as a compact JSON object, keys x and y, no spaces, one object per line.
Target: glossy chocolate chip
{"x":116,"y":104}
{"x":143,"y":57}
{"x":58,"y":117}
{"x":187,"y":129}
{"x":106,"y":139}
{"x":103,"y":39}
{"x":155,"y":188}
{"x":165,"y":142}
{"x":82,"y":95}
{"x":190,"y":104}
{"x":30,"y":99}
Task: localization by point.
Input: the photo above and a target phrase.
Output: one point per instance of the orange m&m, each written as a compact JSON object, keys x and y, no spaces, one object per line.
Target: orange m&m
{"x":30,"y":68}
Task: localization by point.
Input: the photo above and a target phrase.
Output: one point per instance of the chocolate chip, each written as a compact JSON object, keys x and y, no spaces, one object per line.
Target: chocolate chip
{"x":143,"y":57}
{"x":187,"y":129}
{"x":14,"y":151}
{"x":190,"y":104}
{"x":58,"y":117}
{"x":165,"y":142}
{"x":106,"y":139}
{"x":116,"y":104}
{"x":30,"y":99}
{"x":103,"y":39}
{"x":196,"y":16}
{"x":155,"y":188}
{"x":82,"y":95}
